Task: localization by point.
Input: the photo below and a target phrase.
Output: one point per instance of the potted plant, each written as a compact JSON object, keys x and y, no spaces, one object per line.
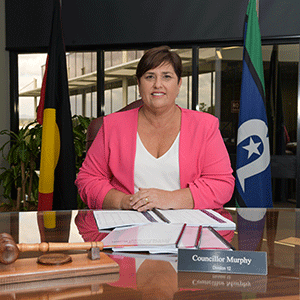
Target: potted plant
{"x":80,"y":125}
{"x":23,"y":158}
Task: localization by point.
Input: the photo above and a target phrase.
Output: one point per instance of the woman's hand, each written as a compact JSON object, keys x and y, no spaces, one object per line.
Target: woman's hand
{"x":115,"y":199}
{"x":125,"y":202}
{"x":147,"y":199}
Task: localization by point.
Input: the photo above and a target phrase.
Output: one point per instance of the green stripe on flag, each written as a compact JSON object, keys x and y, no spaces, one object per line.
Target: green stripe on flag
{"x":253,"y":41}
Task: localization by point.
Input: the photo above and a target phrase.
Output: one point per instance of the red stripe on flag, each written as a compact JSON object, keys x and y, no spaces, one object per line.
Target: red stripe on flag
{"x":45,"y":201}
{"x":40,"y":110}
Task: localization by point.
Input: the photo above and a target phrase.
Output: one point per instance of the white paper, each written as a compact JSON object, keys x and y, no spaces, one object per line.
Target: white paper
{"x":150,"y":236}
{"x":194,"y":217}
{"x":108,"y":219}
{"x":210,"y":241}
{"x":189,"y":237}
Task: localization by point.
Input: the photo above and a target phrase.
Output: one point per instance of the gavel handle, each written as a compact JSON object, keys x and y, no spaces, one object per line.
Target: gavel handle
{"x":45,"y":247}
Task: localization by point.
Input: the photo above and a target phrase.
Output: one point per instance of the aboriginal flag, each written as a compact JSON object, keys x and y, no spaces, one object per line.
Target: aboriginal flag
{"x":57,"y":190}
{"x":253,"y":151}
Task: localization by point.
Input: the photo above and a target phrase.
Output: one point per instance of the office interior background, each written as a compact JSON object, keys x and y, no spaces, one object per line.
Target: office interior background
{"x":103,"y":50}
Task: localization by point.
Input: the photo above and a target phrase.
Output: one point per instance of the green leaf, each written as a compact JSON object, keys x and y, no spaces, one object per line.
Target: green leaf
{"x":84,"y":121}
{"x":24,"y":153}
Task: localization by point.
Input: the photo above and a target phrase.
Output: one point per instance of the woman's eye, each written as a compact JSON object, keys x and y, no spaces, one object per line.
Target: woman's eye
{"x":149,"y":76}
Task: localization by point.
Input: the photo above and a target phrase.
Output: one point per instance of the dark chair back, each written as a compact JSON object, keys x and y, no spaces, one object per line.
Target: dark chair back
{"x":97,"y":123}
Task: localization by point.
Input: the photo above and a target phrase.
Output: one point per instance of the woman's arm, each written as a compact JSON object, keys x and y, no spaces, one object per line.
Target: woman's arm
{"x":115,"y":199}
{"x":213,"y":184}
{"x":93,"y":179}
{"x":109,"y":162}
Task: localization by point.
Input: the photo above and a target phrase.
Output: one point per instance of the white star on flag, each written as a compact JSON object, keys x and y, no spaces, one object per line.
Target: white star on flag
{"x":252,"y":148}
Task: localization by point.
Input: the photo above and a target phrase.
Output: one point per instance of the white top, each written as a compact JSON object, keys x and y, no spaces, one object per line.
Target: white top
{"x":151,"y":172}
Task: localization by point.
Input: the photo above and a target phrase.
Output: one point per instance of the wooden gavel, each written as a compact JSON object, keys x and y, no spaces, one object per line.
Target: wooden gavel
{"x":9,"y":250}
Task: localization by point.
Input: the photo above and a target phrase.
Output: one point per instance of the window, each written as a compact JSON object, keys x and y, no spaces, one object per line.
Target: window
{"x":30,"y":80}
{"x":220,"y":72}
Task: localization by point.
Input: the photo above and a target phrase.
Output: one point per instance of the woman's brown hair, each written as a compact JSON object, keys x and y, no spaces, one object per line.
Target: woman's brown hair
{"x":157,"y":56}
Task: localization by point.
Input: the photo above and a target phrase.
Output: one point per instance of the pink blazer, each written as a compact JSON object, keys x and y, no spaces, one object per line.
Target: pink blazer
{"x":203,"y":160}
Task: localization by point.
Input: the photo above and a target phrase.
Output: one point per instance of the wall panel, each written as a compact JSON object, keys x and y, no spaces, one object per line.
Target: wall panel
{"x":90,"y":24}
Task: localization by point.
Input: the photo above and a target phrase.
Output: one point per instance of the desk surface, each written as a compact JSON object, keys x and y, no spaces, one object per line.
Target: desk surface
{"x":142,"y":276}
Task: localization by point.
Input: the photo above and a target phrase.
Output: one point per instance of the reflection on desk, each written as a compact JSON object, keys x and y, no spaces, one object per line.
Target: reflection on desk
{"x":143,"y":276}
{"x":87,"y":226}
{"x":62,"y":288}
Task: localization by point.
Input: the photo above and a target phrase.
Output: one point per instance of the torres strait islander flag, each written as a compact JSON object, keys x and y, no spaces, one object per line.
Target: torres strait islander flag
{"x":253,"y":169}
{"x":57,"y":190}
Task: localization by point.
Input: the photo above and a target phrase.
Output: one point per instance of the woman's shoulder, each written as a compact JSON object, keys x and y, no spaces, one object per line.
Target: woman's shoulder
{"x":198,"y":116}
{"x":121,"y":116}
{"x":197,"y":123}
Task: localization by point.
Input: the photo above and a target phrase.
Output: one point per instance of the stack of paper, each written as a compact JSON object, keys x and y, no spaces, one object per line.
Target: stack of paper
{"x":109,"y":219}
{"x":158,"y":238}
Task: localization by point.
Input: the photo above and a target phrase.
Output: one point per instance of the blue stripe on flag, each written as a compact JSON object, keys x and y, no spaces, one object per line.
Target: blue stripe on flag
{"x":253,"y":155}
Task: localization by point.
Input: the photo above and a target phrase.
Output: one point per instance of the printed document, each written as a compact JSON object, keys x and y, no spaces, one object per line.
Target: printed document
{"x":109,"y":219}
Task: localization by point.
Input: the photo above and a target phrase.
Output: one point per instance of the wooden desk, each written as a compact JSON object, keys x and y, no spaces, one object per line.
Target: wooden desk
{"x":275,"y":231}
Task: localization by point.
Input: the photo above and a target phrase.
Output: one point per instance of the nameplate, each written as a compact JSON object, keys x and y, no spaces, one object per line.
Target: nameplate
{"x":223,"y":261}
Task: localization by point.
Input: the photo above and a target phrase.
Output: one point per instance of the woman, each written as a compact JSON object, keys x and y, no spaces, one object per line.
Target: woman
{"x":158,"y":155}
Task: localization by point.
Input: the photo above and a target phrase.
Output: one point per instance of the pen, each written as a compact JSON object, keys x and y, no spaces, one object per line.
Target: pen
{"x":218,"y":235}
{"x":180,"y":235}
{"x":213,"y":216}
{"x":198,"y":237}
{"x":148,"y":216}
{"x":158,"y":213}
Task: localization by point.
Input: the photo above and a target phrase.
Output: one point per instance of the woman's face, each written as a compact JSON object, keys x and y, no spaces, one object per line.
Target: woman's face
{"x":159,"y":87}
